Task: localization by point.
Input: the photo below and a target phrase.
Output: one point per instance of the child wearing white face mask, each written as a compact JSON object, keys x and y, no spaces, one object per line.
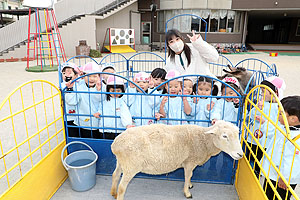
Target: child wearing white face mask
{"x":189,"y":58}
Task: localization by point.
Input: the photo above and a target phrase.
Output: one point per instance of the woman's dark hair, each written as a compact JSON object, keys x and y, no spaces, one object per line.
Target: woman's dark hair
{"x":291,"y":105}
{"x":114,"y":86}
{"x":232,"y":85}
{"x":187,"y":51}
{"x":202,"y":79}
{"x":159,"y":73}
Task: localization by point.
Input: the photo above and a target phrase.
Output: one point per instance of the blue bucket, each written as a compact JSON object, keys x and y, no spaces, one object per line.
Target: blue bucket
{"x":81,"y":167}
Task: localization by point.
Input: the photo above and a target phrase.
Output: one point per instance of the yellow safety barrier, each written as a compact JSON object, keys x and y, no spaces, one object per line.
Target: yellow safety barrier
{"x":261,"y":128}
{"x":31,"y":140}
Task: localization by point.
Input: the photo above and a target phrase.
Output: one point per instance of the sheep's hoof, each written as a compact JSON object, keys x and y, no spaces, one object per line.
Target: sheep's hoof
{"x":114,"y":195}
{"x":188,"y":196}
{"x":191,"y":186}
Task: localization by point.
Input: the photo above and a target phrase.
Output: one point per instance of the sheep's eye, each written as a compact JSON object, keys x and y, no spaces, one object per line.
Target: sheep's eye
{"x":225,"y":136}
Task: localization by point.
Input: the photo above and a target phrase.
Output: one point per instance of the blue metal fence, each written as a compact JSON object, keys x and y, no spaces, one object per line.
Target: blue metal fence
{"x":219,"y":169}
{"x":223,"y":165}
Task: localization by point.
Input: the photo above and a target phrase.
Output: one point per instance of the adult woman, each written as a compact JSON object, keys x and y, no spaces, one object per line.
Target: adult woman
{"x":189,"y":58}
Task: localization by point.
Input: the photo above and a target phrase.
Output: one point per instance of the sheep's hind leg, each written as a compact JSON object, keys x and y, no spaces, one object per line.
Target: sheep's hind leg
{"x":115,"y":180}
{"x":126,"y":178}
{"x":188,"y":173}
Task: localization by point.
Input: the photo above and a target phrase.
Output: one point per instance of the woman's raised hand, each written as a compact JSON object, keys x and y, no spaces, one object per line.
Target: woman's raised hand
{"x":194,"y":37}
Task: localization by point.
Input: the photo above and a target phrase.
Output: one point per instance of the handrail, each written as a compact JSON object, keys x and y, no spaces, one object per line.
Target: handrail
{"x":17,"y":32}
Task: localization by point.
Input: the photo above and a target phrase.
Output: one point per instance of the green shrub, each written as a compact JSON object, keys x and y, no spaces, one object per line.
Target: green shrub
{"x":94,"y":53}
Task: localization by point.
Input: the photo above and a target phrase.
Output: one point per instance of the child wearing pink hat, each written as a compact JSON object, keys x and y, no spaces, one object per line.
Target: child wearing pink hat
{"x":142,"y":106}
{"x":227,"y":108}
{"x":113,"y":112}
{"x":264,"y":131}
{"x":174,"y":106}
{"x":85,"y":101}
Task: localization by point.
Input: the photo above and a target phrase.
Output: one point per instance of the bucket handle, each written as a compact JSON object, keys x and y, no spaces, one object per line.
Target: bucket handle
{"x":74,"y":142}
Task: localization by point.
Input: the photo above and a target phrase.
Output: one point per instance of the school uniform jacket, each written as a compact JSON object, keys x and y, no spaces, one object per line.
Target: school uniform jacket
{"x":287,"y":157}
{"x":114,"y":107}
{"x":87,"y":104}
{"x":224,"y":110}
{"x":142,"y":106}
{"x":200,"y":112}
{"x":266,"y":131}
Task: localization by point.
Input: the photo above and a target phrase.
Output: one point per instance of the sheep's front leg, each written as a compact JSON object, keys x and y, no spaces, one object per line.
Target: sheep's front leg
{"x":188,"y":173}
{"x":115,"y":180}
{"x":126,"y":178}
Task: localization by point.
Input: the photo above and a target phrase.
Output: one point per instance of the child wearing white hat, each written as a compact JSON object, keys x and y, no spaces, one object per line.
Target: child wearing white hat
{"x":264,"y":131}
{"x":113,"y":112}
{"x":142,"y":107}
{"x":69,"y":72}
{"x":174,"y":106}
{"x":85,"y":100}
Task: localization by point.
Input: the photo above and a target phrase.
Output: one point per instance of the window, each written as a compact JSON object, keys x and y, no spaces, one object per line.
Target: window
{"x":195,"y":25}
{"x":298,"y":28}
{"x":226,"y":21}
{"x":161,"y":22}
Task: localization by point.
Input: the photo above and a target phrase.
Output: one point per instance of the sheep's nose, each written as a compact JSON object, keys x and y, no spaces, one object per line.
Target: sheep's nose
{"x":240,"y":155}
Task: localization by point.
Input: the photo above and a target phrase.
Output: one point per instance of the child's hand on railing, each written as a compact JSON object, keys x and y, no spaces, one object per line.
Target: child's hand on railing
{"x":184,"y":93}
{"x":195,"y":100}
{"x":130,"y":126}
{"x":259,"y":118}
{"x":210,"y":106}
{"x":158,"y":116}
{"x":97,"y":115}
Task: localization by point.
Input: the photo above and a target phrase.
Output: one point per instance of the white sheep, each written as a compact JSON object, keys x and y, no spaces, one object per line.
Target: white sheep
{"x":160,"y":149}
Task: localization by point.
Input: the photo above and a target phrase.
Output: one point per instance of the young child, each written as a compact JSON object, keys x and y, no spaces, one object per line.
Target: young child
{"x":69,"y":72}
{"x":201,"y":108}
{"x":114,"y":110}
{"x":290,"y":155}
{"x":85,"y":101}
{"x":227,"y":108}
{"x":142,"y":105}
{"x":108,"y":68}
{"x":158,"y":76}
{"x":263,"y":131}
{"x":174,"y":106}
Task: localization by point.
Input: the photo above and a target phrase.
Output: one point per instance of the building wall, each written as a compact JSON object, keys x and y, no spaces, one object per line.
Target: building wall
{"x":119,"y":20}
{"x":195,"y":4}
{"x":81,"y":29}
{"x":263,"y":4}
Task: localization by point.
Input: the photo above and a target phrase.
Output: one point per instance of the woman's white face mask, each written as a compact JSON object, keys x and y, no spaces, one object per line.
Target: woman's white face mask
{"x":177,"y":47}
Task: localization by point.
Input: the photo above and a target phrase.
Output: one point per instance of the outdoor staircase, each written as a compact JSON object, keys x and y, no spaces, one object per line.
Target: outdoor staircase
{"x":15,"y":35}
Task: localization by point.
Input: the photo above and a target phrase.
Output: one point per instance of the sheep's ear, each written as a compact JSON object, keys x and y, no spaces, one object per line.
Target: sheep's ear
{"x":212,"y":130}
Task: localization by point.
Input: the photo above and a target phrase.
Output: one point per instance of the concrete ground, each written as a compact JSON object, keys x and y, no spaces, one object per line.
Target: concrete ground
{"x":148,"y":189}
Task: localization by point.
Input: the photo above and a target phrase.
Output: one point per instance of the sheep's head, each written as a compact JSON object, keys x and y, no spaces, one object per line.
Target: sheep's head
{"x":226,"y":138}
